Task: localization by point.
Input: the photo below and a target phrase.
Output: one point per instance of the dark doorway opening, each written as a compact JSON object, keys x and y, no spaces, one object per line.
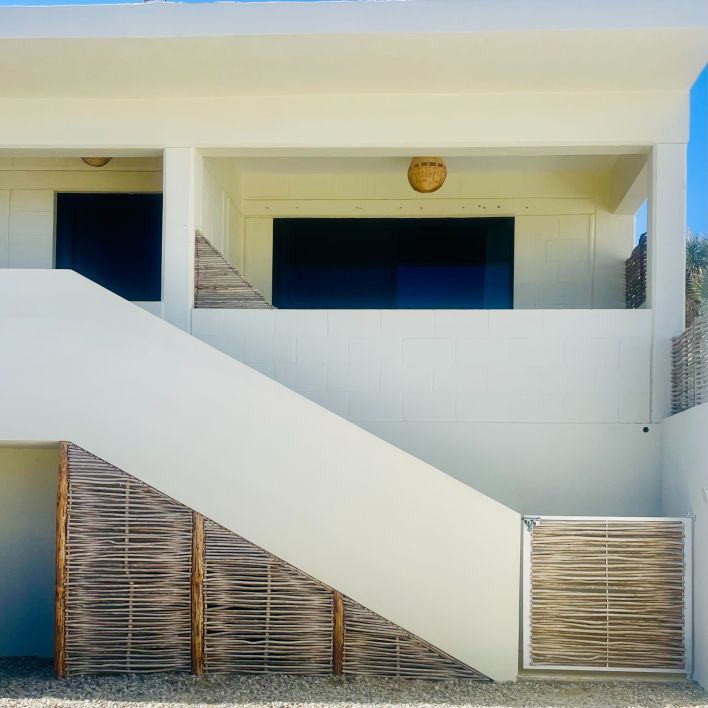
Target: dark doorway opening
{"x":426,"y":263}
{"x":114,"y":240}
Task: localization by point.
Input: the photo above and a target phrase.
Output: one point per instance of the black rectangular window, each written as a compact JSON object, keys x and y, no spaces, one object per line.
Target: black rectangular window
{"x":393,"y":263}
{"x":114,"y":240}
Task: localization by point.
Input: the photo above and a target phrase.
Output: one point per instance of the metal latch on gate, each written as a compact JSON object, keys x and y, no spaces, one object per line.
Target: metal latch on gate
{"x":531,"y":521}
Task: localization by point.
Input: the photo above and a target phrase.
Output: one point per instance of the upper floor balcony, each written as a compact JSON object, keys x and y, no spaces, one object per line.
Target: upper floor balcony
{"x":456,"y":290}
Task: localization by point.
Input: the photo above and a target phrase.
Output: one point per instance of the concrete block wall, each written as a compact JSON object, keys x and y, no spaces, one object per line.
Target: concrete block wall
{"x":26,"y":228}
{"x":542,"y":366}
{"x":553,"y":261}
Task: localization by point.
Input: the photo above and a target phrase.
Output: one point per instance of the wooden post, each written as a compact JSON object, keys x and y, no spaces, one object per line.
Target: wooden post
{"x":60,"y":560}
{"x":197,"y":593}
{"x":337,"y":633}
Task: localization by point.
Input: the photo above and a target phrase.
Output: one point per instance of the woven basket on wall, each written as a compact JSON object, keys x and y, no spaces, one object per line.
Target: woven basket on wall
{"x":427,"y":174}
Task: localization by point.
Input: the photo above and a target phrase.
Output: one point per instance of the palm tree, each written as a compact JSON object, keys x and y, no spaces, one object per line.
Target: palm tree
{"x":696,"y":275}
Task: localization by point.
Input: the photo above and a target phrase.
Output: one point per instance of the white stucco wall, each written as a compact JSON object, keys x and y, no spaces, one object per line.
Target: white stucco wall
{"x":569,"y":249}
{"x":218,"y":215}
{"x":541,"y":366}
{"x":685,"y":493}
{"x":542,"y":410}
{"x":605,"y":469}
{"x":28,"y":478}
{"x":390,"y":531}
{"x":27,"y":197}
{"x":405,"y":122}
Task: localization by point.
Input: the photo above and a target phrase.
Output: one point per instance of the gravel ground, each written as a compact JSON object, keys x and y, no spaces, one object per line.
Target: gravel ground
{"x":30,"y":684}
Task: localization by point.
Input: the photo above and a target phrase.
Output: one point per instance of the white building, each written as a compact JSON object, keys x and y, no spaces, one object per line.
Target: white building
{"x":478,"y":332}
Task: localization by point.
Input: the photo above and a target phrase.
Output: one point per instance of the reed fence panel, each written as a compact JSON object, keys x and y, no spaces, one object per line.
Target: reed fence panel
{"x":635,"y":275}
{"x":128,"y":567}
{"x":261,"y":614}
{"x":374,"y":646}
{"x":607,"y":594}
{"x":689,"y":366}
{"x":217,"y":284}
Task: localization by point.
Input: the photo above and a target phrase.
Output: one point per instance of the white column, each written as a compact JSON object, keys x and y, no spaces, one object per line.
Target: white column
{"x":178,"y":168}
{"x":666,"y":265}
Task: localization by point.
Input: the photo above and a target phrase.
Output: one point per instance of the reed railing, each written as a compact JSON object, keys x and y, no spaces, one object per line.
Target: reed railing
{"x":217,"y":284}
{"x":607,"y":594}
{"x":689,"y":370}
{"x":635,"y":275}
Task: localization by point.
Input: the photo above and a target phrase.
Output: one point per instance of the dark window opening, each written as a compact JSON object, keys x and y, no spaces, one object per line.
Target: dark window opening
{"x":393,"y":263}
{"x":114,"y":240}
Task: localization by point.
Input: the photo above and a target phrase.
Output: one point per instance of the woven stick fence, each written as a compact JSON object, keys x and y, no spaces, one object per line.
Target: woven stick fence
{"x":217,"y":284}
{"x":128,"y":564}
{"x":689,"y":371}
{"x":261,"y":614}
{"x":607,"y":594}
{"x":375,"y":647}
{"x":146,"y":584}
{"x":635,"y":275}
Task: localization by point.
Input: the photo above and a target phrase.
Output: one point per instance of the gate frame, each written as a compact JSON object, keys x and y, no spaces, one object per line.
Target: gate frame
{"x":530,"y":520}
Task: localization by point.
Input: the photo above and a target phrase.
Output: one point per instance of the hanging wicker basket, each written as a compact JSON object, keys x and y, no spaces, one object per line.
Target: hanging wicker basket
{"x":96,"y":161}
{"x":427,"y":174}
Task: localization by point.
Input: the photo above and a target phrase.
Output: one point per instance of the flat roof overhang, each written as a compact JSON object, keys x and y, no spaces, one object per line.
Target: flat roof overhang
{"x":357,"y":47}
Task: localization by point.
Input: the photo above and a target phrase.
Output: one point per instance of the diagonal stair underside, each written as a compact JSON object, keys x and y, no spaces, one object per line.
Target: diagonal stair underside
{"x":127,"y":600}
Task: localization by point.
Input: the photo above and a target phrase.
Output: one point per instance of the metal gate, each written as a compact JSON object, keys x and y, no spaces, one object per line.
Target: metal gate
{"x":607,"y":594}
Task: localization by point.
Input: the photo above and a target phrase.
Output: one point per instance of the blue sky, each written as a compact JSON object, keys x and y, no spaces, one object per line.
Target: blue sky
{"x":697,"y":167}
{"x":697,"y":206}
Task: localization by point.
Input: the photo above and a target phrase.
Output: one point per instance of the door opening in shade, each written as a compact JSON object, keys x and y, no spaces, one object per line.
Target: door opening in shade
{"x":114,"y":240}
{"x":426,"y":263}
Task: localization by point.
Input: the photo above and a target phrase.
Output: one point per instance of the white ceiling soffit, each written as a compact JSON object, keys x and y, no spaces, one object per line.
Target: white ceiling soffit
{"x":392,"y":46}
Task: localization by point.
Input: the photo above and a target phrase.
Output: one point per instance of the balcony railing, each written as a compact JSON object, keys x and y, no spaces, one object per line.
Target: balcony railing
{"x":689,"y":379}
{"x":635,"y":275}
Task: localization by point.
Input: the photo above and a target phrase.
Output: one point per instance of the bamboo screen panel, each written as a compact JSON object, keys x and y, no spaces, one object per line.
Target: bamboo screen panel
{"x":128,"y":565}
{"x":607,"y":594}
{"x":635,"y":275}
{"x":689,"y":374}
{"x":261,"y":614}
{"x":217,"y":284}
{"x":374,"y":646}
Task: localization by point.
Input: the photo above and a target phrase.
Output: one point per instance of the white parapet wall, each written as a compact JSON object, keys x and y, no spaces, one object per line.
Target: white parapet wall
{"x":542,"y":410}
{"x":395,"y":534}
{"x":685,"y":493}
{"x":550,"y":366}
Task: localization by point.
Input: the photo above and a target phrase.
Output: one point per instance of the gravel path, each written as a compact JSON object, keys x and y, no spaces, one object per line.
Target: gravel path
{"x":30,"y":684}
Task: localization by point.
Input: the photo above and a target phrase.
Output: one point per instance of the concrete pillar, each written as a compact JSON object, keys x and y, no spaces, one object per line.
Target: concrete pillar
{"x":666,"y":265}
{"x":178,"y":166}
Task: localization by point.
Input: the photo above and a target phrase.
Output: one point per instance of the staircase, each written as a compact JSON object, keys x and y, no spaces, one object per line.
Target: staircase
{"x":396,"y":537}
